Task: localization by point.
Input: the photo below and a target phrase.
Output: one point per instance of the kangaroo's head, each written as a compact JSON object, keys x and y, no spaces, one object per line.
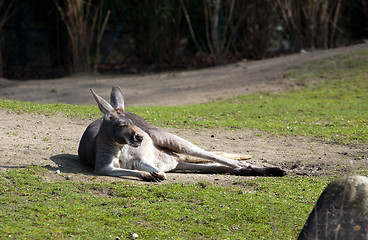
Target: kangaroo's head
{"x":116,"y":125}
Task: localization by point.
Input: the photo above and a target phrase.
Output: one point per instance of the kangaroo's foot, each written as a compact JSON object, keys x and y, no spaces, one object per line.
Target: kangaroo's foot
{"x":261,"y":171}
{"x":269,"y":171}
{"x":275,"y":172}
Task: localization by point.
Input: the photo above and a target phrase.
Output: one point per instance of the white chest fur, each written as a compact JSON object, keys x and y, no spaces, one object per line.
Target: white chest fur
{"x":132,"y":157}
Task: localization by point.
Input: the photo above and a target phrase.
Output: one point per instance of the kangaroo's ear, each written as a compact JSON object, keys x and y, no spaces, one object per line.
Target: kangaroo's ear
{"x":104,"y":106}
{"x":117,"y":98}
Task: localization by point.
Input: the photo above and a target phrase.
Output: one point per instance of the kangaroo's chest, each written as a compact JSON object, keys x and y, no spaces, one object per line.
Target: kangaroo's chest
{"x":147,"y":154}
{"x":131,"y":157}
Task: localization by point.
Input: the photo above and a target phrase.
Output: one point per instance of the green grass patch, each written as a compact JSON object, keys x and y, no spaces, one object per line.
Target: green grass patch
{"x":32,"y":208}
{"x":67,"y":110}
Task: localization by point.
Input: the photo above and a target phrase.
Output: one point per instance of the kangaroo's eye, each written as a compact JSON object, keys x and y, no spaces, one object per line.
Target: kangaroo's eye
{"x":122,"y":126}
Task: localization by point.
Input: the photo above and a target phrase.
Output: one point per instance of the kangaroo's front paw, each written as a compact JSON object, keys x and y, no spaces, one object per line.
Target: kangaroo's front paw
{"x":159,"y":175}
{"x":154,"y":177}
{"x":149,"y":178}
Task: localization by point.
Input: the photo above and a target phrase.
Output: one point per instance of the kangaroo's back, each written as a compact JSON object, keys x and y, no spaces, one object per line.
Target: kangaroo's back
{"x":86,"y":150}
{"x":139,"y":122}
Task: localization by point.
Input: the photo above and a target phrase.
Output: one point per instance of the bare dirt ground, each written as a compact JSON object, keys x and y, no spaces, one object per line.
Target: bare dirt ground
{"x":52,"y":142}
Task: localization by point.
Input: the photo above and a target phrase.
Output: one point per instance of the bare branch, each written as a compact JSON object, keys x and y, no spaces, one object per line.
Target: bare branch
{"x":8,"y":11}
{"x":190,"y":26}
{"x":206,"y":20}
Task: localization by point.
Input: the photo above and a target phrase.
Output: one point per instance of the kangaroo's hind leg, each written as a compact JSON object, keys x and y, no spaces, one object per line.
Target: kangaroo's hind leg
{"x":180,"y":145}
{"x":194,"y":159}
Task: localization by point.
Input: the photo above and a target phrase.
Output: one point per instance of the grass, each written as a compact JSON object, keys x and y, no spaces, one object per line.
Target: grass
{"x":66,"y":110}
{"x":32,"y":208}
{"x":334,"y":109}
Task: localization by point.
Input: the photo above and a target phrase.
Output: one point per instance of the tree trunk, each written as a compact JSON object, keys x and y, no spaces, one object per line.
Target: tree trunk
{"x":214,"y":32}
{"x":1,"y":61}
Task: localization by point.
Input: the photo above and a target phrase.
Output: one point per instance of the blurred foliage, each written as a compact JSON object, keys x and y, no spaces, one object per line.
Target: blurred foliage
{"x":167,"y":35}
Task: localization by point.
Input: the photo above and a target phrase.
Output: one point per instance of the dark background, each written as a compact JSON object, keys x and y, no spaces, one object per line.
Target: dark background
{"x":50,"y":39}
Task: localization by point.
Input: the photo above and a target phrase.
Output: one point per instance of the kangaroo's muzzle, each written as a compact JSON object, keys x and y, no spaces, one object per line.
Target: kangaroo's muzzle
{"x":135,"y":140}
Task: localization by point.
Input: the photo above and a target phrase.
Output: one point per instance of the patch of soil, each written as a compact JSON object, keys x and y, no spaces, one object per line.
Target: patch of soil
{"x":52,"y":142}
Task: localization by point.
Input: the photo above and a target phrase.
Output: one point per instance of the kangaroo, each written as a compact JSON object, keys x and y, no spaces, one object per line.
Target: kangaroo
{"x":123,"y":144}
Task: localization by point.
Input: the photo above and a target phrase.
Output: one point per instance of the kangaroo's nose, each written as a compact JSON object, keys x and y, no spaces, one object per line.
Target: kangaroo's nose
{"x":135,"y":140}
{"x":138,"y":138}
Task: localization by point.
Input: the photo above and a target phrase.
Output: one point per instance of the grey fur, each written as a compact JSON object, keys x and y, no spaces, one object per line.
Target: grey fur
{"x":123,"y":144}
